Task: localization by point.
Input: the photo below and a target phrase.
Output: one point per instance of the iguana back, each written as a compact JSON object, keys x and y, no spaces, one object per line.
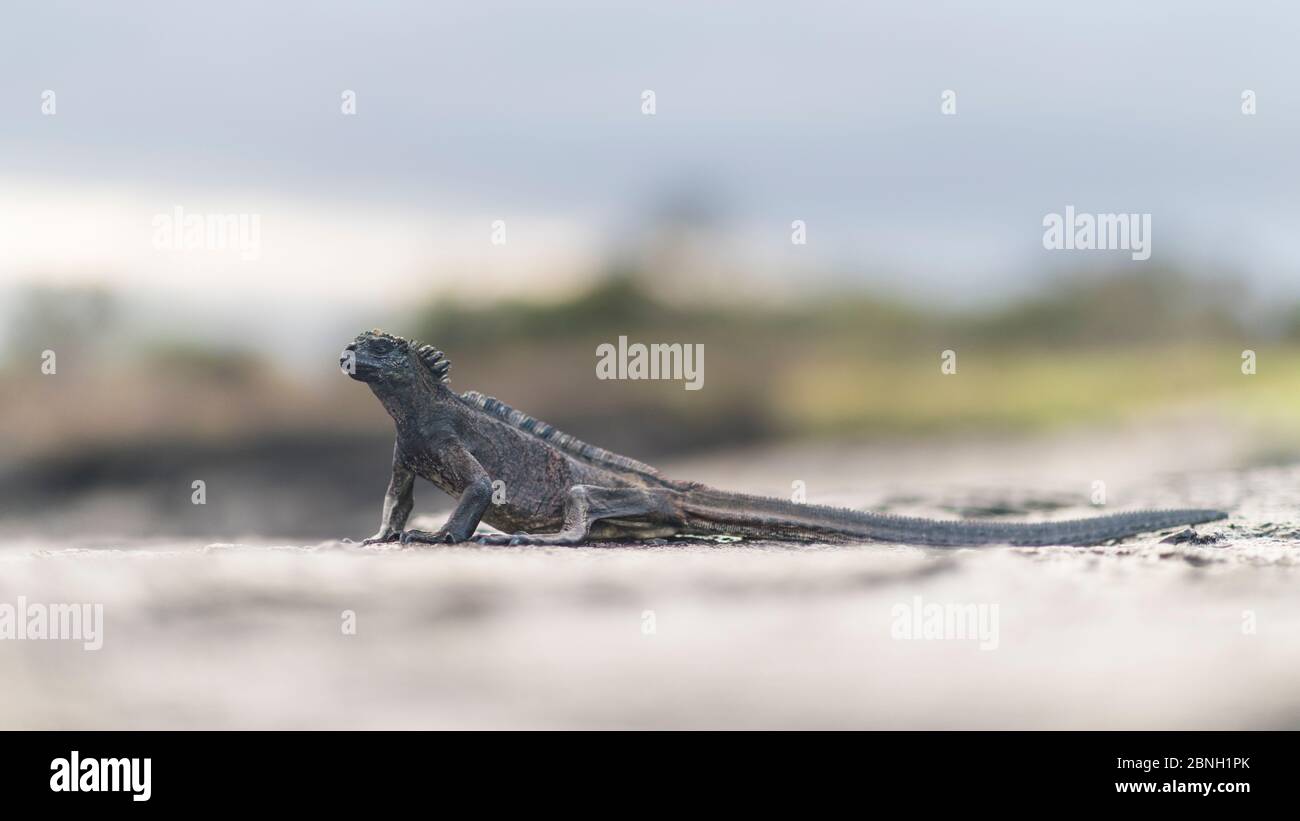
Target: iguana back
{"x":571,"y":445}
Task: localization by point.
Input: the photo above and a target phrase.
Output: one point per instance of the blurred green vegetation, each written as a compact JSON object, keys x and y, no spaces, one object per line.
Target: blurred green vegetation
{"x":190,"y":361}
{"x":1095,"y":346}
{"x":1105,"y":310}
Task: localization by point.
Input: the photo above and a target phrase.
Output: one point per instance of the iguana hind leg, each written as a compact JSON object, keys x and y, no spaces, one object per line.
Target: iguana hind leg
{"x":587,"y":505}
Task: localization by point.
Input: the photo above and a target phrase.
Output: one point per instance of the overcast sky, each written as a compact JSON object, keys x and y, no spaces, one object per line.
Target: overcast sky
{"x":772,"y":111}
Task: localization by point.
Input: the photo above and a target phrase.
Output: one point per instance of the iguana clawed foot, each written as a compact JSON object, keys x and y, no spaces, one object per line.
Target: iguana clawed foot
{"x":442,"y":536}
{"x":516,"y":539}
{"x":406,"y":537}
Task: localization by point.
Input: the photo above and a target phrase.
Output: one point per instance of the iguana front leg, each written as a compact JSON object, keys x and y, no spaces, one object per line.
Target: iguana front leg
{"x":398,"y":501}
{"x":464,"y":470}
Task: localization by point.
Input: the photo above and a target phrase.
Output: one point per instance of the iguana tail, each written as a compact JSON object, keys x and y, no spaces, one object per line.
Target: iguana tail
{"x":715,"y":511}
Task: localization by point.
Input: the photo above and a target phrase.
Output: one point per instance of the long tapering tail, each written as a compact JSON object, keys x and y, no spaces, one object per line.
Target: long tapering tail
{"x":765,"y":517}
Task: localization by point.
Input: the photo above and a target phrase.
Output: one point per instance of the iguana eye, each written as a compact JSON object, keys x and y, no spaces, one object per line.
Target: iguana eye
{"x":383,"y":346}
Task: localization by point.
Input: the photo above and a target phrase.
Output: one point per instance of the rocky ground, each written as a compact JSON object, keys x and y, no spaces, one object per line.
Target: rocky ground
{"x":1153,"y":632}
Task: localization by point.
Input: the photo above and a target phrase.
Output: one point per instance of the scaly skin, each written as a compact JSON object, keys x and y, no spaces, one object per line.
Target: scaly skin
{"x":559,"y":491}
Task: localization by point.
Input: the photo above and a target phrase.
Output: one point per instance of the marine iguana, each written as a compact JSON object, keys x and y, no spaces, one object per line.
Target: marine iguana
{"x":562,"y":491}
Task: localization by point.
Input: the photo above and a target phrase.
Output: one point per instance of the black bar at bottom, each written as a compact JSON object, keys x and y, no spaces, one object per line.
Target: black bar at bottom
{"x":332,"y":770}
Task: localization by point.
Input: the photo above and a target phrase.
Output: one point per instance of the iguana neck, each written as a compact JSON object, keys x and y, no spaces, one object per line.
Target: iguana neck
{"x":405,"y":400}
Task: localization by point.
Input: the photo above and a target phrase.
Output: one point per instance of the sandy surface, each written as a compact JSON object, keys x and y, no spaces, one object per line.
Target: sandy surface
{"x":1142,"y":634}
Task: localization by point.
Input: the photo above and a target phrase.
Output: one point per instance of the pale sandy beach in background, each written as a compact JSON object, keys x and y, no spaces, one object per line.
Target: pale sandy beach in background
{"x":201,"y":633}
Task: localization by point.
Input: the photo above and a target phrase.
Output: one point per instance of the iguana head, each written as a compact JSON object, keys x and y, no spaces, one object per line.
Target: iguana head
{"x":380,"y":358}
